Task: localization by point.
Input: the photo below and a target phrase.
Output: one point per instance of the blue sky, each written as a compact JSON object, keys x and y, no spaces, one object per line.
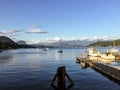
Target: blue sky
{"x":68,"y":19}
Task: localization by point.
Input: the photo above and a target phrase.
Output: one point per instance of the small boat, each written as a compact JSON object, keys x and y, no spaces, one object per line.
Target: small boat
{"x":45,"y":49}
{"x":60,"y":51}
{"x":93,"y":52}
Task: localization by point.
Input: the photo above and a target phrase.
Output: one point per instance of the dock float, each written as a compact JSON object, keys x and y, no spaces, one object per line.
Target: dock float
{"x":107,"y":70}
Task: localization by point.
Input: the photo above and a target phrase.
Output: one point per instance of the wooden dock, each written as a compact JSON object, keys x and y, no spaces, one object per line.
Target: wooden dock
{"x":109,"y":71}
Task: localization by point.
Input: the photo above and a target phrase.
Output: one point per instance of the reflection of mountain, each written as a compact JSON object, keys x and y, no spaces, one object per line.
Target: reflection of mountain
{"x":5,"y":59}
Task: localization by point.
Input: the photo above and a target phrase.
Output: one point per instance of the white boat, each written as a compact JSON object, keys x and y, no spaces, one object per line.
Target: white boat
{"x":113,"y":50}
{"x":93,"y":52}
{"x":45,"y":49}
{"x":108,"y":56}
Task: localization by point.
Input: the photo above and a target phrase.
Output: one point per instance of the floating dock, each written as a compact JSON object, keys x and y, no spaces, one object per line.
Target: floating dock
{"x":107,"y":70}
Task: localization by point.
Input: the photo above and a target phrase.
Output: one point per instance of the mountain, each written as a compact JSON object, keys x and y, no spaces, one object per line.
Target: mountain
{"x":69,"y":43}
{"x":79,"y":43}
{"x":21,"y":42}
{"x":7,"y":43}
{"x":106,"y":43}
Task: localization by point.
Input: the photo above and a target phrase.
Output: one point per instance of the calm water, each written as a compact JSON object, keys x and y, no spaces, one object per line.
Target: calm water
{"x":33,"y":69}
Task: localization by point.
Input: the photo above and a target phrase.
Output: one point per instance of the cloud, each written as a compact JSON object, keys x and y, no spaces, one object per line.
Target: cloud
{"x":36,"y":31}
{"x":14,"y":31}
{"x":10,"y":33}
{"x":35,"y":26}
{"x":33,"y":42}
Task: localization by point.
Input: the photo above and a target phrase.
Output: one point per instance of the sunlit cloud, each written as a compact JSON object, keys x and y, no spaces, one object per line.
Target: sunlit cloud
{"x":36,"y":31}
{"x":33,"y":42}
{"x":14,"y":31}
{"x":10,"y":33}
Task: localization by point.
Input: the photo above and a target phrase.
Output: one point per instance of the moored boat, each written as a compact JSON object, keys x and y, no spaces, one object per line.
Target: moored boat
{"x":93,"y":52}
{"x":45,"y":49}
{"x":107,"y":56}
{"x":60,"y":51}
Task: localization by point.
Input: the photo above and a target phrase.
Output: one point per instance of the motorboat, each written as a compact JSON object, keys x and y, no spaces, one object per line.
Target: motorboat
{"x":60,"y":51}
{"x":108,"y":56}
{"x":93,"y":52}
{"x":45,"y":49}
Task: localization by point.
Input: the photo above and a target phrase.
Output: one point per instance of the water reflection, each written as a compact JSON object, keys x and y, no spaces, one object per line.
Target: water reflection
{"x":5,"y":57}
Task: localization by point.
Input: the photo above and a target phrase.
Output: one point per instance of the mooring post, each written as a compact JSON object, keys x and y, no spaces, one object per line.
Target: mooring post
{"x":61,"y":74}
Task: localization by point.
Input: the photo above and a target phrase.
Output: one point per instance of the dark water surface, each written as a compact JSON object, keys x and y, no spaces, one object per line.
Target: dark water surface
{"x":33,"y":69}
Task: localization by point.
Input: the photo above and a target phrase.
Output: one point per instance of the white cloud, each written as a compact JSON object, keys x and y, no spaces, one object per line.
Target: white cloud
{"x":10,"y":33}
{"x":33,"y":42}
{"x":36,"y":31}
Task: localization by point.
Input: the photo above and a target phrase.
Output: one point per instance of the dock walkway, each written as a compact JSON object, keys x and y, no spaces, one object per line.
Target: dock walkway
{"x":110,"y":71}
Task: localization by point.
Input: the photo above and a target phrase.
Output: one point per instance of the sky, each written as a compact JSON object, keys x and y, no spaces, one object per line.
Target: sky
{"x":59,"y":19}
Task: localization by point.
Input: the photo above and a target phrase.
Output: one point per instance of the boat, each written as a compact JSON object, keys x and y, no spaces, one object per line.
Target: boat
{"x":108,"y":56}
{"x":60,"y":51}
{"x":45,"y":49}
{"x":113,"y":50}
{"x":116,"y":54}
{"x":93,"y":52}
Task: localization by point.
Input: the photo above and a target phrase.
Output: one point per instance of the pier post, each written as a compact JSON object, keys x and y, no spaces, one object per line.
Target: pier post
{"x":61,"y":74}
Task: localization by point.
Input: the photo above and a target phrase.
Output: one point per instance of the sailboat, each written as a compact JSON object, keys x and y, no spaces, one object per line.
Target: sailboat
{"x":113,"y":50}
{"x":45,"y":48}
